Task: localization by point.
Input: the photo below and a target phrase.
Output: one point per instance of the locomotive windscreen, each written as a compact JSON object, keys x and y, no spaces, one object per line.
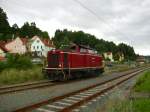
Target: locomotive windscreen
{"x":53,"y":60}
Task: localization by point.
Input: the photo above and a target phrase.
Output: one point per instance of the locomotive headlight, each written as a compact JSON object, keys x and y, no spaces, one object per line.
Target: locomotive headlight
{"x":59,"y":65}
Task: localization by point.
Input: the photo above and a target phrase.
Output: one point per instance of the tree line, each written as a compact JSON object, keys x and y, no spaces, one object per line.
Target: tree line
{"x":27,"y":30}
{"x":65,"y":37}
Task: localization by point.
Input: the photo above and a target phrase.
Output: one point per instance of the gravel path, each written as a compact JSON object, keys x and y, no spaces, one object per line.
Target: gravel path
{"x":13,"y":101}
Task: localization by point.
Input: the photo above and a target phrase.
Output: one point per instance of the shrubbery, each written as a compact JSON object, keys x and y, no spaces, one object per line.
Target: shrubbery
{"x":14,"y":76}
{"x":3,"y":65}
{"x":16,"y":61}
{"x":19,"y":69}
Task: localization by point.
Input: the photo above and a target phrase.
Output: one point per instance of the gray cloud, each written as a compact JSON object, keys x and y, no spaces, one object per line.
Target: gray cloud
{"x":119,"y":20}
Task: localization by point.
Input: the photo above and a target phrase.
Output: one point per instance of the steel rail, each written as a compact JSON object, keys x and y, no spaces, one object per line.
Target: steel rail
{"x":34,"y":85}
{"x":52,"y":100}
{"x":89,"y":98}
{"x":21,"y":87}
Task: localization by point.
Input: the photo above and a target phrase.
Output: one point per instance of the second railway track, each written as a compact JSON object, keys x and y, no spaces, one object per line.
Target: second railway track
{"x":21,"y":87}
{"x":73,"y":100}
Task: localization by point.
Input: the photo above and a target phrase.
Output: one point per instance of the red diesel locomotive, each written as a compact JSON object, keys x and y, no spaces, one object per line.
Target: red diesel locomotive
{"x":78,"y":61}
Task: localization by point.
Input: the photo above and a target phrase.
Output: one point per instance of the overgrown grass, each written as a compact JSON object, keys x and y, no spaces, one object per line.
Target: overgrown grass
{"x":119,"y":103}
{"x":138,"y":105}
{"x":143,"y":83}
{"x":117,"y":68}
{"x":141,"y":105}
{"x":14,"y":76}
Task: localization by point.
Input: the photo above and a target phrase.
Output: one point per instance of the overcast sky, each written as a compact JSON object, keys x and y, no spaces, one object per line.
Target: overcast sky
{"x":125,"y":21}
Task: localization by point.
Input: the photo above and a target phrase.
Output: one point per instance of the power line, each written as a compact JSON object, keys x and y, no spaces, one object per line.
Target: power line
{"x":91,"y":11}
{"x":97,"y":16}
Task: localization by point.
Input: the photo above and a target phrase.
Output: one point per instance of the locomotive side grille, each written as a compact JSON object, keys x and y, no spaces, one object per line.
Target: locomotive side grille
{"x":53,"y":60}
{"x":65,"y":60}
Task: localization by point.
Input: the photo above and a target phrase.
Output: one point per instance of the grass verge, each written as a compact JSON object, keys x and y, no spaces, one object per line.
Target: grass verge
{"x":14,"y":76}
{"x":138,"y":105}
{"x":143,"y":83}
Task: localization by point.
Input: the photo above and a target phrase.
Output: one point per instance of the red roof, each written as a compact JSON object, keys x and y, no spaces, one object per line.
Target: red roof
{"x":2,"y":58}
{"x":24,"y":40}
{"x":47,"y":42}
{"x":2,"y":46}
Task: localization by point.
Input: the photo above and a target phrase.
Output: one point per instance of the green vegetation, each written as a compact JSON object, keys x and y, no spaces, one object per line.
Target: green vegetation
{"x":16,"y":61}
{"x":27,"y":30}
{"x":117,"y":68}
{"x":18,"y":69}
{"x":138,"y":105}
{"x":79,"y":37}
{"x":143,"y":83}
{"x":141,"y":105}
{"x":14,"y":76}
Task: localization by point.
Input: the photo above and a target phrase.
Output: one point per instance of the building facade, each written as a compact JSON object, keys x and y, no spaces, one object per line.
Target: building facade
{"x":39,"y":47}
{"x":16,"y":46}
{"x":109,"y":56}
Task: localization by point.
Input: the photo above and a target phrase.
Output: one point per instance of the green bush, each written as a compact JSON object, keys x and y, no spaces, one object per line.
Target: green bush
{"x":18,"y":62}
{"x":3,"y":65}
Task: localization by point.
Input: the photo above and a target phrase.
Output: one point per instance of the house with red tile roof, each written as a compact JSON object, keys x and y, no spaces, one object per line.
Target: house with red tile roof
{"x":39,"y":46}
{"x":18,"y":45}
{"x":36,"y":46}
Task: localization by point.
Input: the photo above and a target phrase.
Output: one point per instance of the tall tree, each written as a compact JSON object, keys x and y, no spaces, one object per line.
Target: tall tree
{"x":79,"y":37}
{"x":15,"y":29}
{"x":4,"y":25}
{"x":5,"y":29}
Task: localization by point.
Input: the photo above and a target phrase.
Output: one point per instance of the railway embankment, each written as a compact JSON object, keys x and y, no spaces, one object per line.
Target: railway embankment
{"x":132,"y":97}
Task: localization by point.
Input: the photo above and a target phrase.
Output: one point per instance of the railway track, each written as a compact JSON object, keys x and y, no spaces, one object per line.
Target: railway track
{"x":72,"y":101}
{"x":21,"y":87}
{"x":32,"y":85}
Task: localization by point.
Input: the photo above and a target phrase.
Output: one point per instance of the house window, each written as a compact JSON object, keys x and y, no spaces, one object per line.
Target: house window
{"x":41,"y":47}
{"x":37,"y":47}
{"x":33,"y":47}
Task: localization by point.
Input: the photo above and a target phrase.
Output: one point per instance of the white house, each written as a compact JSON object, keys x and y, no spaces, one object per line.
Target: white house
{"x":17,"y":45}
{"x":109,"y":55}
{"x":48,"y":46}
{"x":40,"y":47}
